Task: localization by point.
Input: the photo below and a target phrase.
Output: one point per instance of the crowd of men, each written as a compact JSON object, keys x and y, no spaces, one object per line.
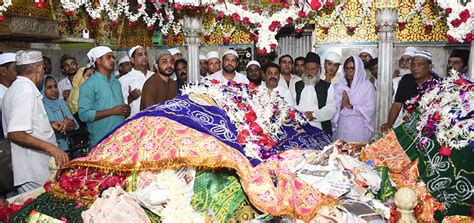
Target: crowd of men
{"x":336,"y":95}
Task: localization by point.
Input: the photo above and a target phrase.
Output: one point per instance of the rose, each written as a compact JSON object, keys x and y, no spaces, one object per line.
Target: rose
{"x":255,"y":127}
{"x":464,"y":15}
{"x":456,"y":23}
{"x":214,"y":81}
{"x":445,"y":151}
{"x":251,"y":116}
{"x":315,"y":5}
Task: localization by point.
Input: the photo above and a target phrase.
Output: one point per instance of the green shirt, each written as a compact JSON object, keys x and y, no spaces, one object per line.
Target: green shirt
{"x":98,"y":94}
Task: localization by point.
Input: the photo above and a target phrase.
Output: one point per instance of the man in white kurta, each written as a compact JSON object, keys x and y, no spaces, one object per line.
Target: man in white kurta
{"x":315,"y":97}
{"x":287,"y":79}
{"x":26,"y":124}
{"x":272,"y":77}
{"x":132,"y":83}
{"x":7,"y":73}
{"x":230,"y":62}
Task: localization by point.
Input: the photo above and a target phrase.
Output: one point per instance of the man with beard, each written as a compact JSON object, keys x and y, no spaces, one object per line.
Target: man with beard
{"x":299,"y":66}
{"x":229,"y":66}
{"x":132,"y":82}
{"x":272,"y":77}
{"x":213,"y":63}
{"x":254,"y":72}
{"x":47,"y":66}
{"x":315,"y":97}
{"x":101,"y":104}
{"x":202,"y":66}
{"x":287,"y":80}
{"x":366,"y":55}
{"x":331,"y":66}
{"x":181,"y":70}
{"x":458,"y":60}
{"x":27,"y":126}
{"x":410,"y":85}
{"x":160,"y":87}
{"x":69,"y":69}
{"x":404,"y":66}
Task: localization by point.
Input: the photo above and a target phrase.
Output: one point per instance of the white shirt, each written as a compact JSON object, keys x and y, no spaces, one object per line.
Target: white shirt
{"x":239,"y":78}
{"x":63,"y":85}
{"x":291,"y":87}
{"x":3,"y":90}
{"x":309,"y":102}
{"x":135,"y":79}
{"x":285,"y":93}
{"x":23,"y":111}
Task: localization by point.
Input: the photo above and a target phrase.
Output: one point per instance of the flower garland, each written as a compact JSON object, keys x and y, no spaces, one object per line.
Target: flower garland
{"x":418,"y":9}
{"x":446,"y":111}
{"x":4,"y":7}
{"x":459,"y":20}
{"x":258,"y":115}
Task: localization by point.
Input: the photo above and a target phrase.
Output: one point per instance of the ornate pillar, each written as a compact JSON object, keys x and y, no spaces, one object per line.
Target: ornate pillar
{"x":192,"y":27}
{"x":386,"y":18}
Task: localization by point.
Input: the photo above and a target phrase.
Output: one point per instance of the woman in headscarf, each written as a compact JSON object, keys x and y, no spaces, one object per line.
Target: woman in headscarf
{"x":355,"y":103}
{"x":57,"y":111}
{"x":81,"y":76}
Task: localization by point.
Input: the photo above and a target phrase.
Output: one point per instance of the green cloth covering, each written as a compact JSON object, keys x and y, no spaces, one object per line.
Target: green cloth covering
{"x":450,"y":180}
{"x":386,"y":190}
{"x":51,"y":206}
{"x":219,"y":191}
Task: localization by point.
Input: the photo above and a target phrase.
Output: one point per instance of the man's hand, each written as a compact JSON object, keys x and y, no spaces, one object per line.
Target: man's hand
{"x":122,"y":110}
{"x":59,"y":126}
{"x":309,"y":115}
{"x":385,"y":127}
{"x":59,"y":155}
{"x":133,"y":94}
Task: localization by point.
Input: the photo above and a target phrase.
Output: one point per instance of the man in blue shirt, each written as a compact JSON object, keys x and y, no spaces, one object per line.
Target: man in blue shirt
{"x":101,"y":104}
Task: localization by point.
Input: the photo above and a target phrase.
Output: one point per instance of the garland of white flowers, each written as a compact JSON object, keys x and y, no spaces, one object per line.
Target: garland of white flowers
{"x":444,"y":109}
{"x":453,"y":10}
{"x":4,"y":6}
{"x":94,"y":13}
{"x":418,"y":9}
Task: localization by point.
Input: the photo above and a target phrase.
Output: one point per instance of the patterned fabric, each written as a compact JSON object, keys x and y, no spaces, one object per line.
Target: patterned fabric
{"x":209,"y":119}
{"x":219,"y":191}
{"x":270,"y":186}
{"x":449,"y":179}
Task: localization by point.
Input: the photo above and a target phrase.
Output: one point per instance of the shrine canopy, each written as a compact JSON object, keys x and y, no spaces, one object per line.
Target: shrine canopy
{"x":261,"y":19}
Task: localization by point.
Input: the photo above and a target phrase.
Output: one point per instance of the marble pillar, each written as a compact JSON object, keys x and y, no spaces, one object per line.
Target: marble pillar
{"x":192,"y":27}
{"x":387,"y":20}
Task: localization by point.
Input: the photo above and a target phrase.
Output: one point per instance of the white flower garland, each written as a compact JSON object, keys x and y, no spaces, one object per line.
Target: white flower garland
{"x":441,"y":109}
{"x":4,"y":6}
{"x":465,"y":28}
{"x":418,"y":9}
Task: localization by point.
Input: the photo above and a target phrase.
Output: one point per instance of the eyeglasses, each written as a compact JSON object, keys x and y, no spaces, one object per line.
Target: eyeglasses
{"x":347,"y":69}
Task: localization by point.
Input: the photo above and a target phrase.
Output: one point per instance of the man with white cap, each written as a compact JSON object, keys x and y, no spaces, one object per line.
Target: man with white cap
{"x":101,"y":104}
{"x":272,"y":78}
{"x":175,"y":53}
{"x":202,"y":66}
{"x":230,"y":62}
{"x":213,"y":62}
{"x":404,"y":67}
{"x":26,"y":124}
{"x":124,"y":65}
{"x":132,"y":83}
{"x":411,"y":84}
{"x":254,"y":72}
{"x":160,"y":87}
{"x":366,"y":55}
{"x":7,"y":73}
{"x":331,"y":66}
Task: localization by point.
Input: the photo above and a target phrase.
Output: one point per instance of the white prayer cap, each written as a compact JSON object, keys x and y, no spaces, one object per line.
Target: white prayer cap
{"x":410,"y":51}
{"x":174,"y":51}
{"x":369,"y":51}
{"x":424,"y":54}
{"x":213,"y":54}
{"x":7,"y":58}
{"x":233,"y":52}
{"x":202,"y":57}
{"x":131,"y":51}
{"x":97,"y":52}
{"x":28,"y":57}
{"x":334,"y":57}
{"x":253,"y":62}
{"x":124,"y":59}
